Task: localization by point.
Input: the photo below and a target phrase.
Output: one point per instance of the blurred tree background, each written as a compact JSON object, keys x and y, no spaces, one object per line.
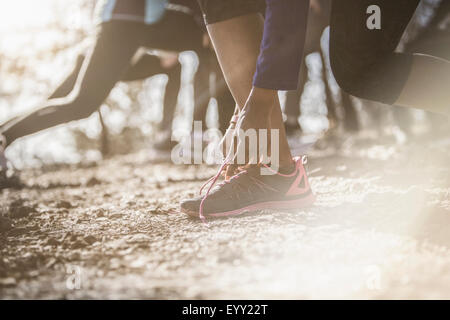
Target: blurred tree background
{"x":39,"y":44}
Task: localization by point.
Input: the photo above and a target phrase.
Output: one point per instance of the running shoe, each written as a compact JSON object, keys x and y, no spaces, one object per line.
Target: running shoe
{"x":250,"y":191}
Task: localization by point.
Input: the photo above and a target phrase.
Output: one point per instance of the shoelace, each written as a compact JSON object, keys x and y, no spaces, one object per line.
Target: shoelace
{"x":257,"y":182}
{"x":229,"y":158}
{"x":213,"y":181}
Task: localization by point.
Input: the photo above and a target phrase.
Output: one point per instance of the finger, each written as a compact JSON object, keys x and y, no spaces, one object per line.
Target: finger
{"x":231,"y":170}
{"x":227,"y":142}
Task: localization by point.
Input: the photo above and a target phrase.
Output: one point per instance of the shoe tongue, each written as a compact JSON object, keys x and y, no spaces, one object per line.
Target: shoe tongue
{"x":255,"y":169}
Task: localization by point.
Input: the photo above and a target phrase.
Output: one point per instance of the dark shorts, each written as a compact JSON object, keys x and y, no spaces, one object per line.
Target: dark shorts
{"x":220,"y":10}
{"x":365,"y":62}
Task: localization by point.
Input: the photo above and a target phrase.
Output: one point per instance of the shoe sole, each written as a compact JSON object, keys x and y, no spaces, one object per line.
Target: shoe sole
{"x":270,"y":205}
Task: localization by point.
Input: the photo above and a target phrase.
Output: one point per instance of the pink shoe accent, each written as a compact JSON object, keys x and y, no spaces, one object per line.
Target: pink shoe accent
{"x":295,"y":190}
{"x":289,"y":204}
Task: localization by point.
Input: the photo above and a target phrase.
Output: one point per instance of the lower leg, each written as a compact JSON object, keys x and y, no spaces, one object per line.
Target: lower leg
{"x":329,"y":101}
{"x":69,"y":83}
{"x":277,"y":123}
{"x":171,"y":96}
{"x":61,"y":91}
{"x":350,"y":116}
{"x":103,"y":67}
{"x":367,"y":65}
{"x":237,"y":43}
{"x":292,"y":107}
{"x":428,"y":85}
{"x":201,"y":86}
{"x":225,"y":100}
{"x":293,"y":99}
{"x":226,"y":105}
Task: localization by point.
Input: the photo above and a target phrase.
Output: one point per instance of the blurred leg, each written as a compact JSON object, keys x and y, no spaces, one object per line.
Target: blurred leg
{"x":427,"y":86}
{"x":103,"y":67}
{"x":350,"y":116}
{"x":201,"y":86}
{"x":171,"y":95}
{"x":61,"y":91}
{"x":329,"y":101}
{"x":366,"y":65}
{"x":149,"y":65}
{"x":293,"y":98}
{"x":69,"y":83}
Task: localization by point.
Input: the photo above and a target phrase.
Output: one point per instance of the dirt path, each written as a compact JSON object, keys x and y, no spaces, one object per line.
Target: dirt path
{"x":378,"y":230}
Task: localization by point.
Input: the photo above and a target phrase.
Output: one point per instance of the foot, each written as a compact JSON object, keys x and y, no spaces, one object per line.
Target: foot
{"x":250,"y":191}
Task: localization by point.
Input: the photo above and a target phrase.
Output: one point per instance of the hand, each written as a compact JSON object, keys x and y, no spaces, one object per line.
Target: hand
{"x":229,"y":141}
{"x":255,"y":115}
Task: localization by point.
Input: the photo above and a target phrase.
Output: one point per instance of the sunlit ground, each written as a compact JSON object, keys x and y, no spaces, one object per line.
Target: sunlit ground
{"x":379,"y":229}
